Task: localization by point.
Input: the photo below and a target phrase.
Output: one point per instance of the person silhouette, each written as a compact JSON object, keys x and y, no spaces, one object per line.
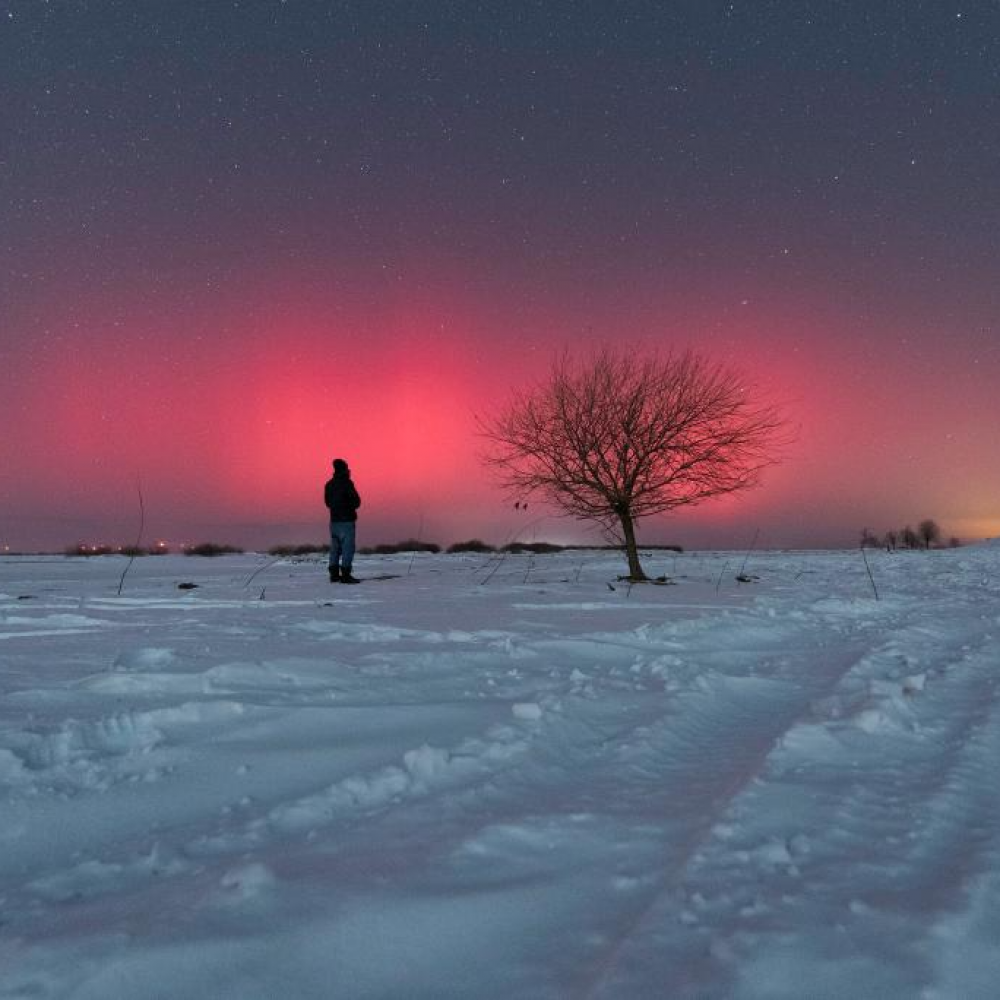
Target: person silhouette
{"x":343,"y":501}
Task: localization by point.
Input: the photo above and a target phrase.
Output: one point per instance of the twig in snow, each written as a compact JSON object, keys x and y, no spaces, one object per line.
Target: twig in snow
{"x":504,"y":551}
{"x":747,"y":556}
{"x":138,"y":540}
{"x":718,"y":583}
{"x":496,"y":565}
{"x":260,"y":569}
{"x":420,"y":536}
{"x":864,"y":555}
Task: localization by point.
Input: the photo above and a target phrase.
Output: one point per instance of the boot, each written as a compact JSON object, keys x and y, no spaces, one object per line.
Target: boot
{"x":334,"y":574}
{"x":345,"y":576}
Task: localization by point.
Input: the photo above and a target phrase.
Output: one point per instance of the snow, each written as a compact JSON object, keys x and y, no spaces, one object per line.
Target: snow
{"x":482,"y":780}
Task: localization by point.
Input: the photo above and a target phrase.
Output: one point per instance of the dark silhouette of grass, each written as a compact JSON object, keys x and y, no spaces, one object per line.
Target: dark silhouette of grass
{"x":212,"y":549}
{"x":621,"y":548}
{"x":297,"y":550}
{"x":393,"y":548}
{"x":473,"y":545}
{"x":536,"y":548}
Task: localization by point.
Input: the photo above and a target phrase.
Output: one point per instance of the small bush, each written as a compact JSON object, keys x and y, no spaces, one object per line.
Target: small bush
{"x":473,"y":545}
{"x":415,"y":545}
{"x":410,"y":545}
{"x":297,"y":550}
{"x":212,"y":549}
{"x":538,"y":548}
{"x":621,"y":548}
{"x":394,"y":548}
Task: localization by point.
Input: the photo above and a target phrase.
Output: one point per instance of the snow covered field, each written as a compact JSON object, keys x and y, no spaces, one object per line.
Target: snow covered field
{"x":537,"y":786}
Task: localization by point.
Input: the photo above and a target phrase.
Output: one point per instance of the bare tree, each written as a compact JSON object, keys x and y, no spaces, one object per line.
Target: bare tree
{"x":929,"y":532}
{"x":869,"y":540}
{"x":891,"y":540}
{"x":619,"y":436}
{"x":908,"y":538}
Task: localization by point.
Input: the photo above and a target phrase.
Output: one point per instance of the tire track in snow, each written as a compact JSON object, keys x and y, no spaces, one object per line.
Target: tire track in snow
{"x":712,"y":759}
{"x":757,"y":880}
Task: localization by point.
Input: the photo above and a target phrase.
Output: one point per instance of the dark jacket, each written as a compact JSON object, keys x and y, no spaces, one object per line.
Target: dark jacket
{"x":342,"y":498}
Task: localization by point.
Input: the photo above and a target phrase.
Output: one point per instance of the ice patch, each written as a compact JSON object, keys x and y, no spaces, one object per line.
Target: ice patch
{"x":56,"y":621}
{"x":128,"y":732}
{"x":149,"y":658}
{"x":528,"y":710}
{"x":426,"y":762}
{"x":812,"y":741}
{"x":773,"y":854}
{"x":121,"y":683}
{"x":248,"y":881}
{"x":197,"y":712}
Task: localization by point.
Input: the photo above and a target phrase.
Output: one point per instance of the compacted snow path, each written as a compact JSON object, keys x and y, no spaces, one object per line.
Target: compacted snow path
{"x":496,"y":780}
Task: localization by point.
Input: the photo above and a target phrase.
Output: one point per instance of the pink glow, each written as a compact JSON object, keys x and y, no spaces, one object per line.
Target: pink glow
{"x":234,"y":429}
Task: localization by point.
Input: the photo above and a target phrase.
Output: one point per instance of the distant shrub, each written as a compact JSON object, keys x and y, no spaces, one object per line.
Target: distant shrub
{"x":621,"y":548}
{"x":212,"y":549}
{"x":929,"y":532}
{"x":297,"y":550}
{"x":415,"y":545}
{"x":393,"y":548}
{"x":473,"y":545}
{"x":869,"y":540}
{"x":537,"y":548}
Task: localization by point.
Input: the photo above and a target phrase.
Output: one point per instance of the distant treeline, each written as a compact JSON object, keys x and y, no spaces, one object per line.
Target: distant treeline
{"x":472,"y":545}
{"x":926,"y":535}
{"x":388,"y":548}
{"x":160,"y":549}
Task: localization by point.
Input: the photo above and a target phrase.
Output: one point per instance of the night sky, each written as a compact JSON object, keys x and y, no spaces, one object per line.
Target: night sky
{"x":238,"y":239}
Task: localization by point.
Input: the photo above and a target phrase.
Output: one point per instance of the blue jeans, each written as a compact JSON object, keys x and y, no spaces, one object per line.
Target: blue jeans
{"x":342,"y":543}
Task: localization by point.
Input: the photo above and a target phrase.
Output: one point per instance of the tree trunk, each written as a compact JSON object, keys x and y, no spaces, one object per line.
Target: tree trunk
{"x":635,"y":572}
